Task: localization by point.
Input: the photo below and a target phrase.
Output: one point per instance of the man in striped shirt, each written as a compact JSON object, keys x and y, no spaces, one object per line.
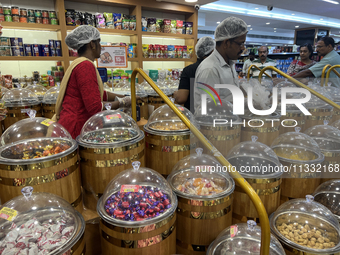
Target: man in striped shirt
{"x":262,"y":62}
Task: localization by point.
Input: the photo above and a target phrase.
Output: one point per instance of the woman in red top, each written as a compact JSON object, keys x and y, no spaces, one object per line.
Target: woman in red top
{"x":81,"y":92}
{"x":305,"y":62}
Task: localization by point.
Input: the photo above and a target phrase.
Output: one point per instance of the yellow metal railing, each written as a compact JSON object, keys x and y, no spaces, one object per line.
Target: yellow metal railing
{"x":265,"y":236}
{"x":324,"y":73}
{"x":329,"y":73}
{"x":250,"y":67}
{"x":300,"y":84}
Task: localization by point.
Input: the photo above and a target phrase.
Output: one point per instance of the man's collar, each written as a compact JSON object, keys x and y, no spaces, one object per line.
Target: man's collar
{"x":221,"y":59}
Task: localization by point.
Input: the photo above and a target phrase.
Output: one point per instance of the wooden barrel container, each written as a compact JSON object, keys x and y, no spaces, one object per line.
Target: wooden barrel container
{"x":156,"y":101}
{"x":58,"y":175}
{"x":331,"y":166}
{"x":144,"y":107}
{"x":48,"y":110}
{"x":288,"y":120}
{"x":336,"y":113}
{"x":318,"y":116}
{"x":16,"y":113}
{"x":266,"y":128}
{"x":99,"y":164}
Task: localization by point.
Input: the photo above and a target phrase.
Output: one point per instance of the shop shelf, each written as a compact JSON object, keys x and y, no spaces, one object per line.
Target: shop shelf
{"x":11,"y":58}
{"x":29,"y":26}
{"x":129,"y":59}
{"x":169,"y":59}
{"x":109,"y":31}
{"x":166,"y":35}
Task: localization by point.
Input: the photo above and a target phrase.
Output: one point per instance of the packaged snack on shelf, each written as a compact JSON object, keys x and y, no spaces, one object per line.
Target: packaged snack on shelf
{"x":157,"y":51}
{"x":185,"y":51}
{"x":133,"y":22}
{"x":5,"y":41}
{"x":171,"y":51}
{"x":152,"y":25}
{"x":167,"y":26}
{"x":145,"y":48}
{"x":5,"y":51}
{"x":190,"y":51}
{"x":144,"y":24}
{"x":89,"y":19}
{"x":28,"y":50}
{"x":159,"y":25}
{"x":184,"y":27}
{"x":100,"y":20}
{"x":151,"y":51}
{"x":188,"y":28}
{"x":15,"y":41}
{"x":179,"y":51}
{"x":173,"y":26}
{"x":78,"y":18}
{"x":130,"y":51}
{"x":161,"y":51}
{"x":126,"y":22}
{"x":69,"y":15}
{"x":165,"y":51}
{"x":109,"y":20}
{"x":179,"y":26}
{"x":118,"y":20}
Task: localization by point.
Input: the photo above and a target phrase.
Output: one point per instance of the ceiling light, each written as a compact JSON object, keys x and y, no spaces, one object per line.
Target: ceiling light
{"x":331,"y":1}
{"x":296,"y":26}
{"x":248,"y":25}
{"x":293,"y":13}
{"x":274,"y":31}
{"x":321,"y":19}
{"x":218,"y":22}
{"x":274,"y":28}
{"x":251,"y":29}
{"x":267,"y":23}
{"x":191,"y":1}
{"x":256,"y":8}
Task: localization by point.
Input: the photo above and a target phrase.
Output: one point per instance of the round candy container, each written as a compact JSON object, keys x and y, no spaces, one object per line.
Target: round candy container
{"x":298,"y":151}
{"x":143,"y":103}
{"x":223,"y":134}
{"x":108,"y":143}
{"x":260,"y":166}
{"x":40,"y":223}
{"x":307,"y":226}
{"x":49,"y":101}
{"x":243,"y":239}
{"x":205,"y":191}
{"x":139,"y":201}
{"x":168,"y":138}
{"x":38,"y":90}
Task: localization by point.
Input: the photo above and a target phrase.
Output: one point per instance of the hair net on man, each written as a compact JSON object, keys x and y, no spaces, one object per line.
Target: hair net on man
{"x":204,"y":46}
{"x":229,"y":28}
{"x":82,"y":35}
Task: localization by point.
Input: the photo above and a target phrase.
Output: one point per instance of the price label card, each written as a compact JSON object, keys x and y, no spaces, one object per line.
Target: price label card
{"x":129,"y":188}
{"x":233,"y":231}
{"x":8,"y":214}
{"x":47,"y":122}
{"x":181,"y":108}
{"x":113,"y":117}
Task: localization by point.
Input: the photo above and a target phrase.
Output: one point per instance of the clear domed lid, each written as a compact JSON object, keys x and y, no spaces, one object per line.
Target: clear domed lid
{"x":289,"y":94}
{"x":140,"y":91}
{"x":297,"y":147}
{"x":107,"y":87}
{"x":38,"y":90}
{"x":137,"y":197}
{"x":39,"y":223}
{"x":243,"y":239}
{"x":35,"y":138}
{"x":334,"y":92}
{"x":216,"y":110}
{"x":307,"y":226}
{"x":196,"y":176}
{"x":20,"y":97}
{"x":327,"y":137}
{"x":336,"y":124}
{"x":3,"y":90}
{"x":254,"y":153}
{"x":162,"y":85}
{"x":108,"y":128}
{"x":328,"y":194}
{"x":316,"y":102}
{"x":51,"y":95}
{"x":123,"y":83}
{"x":163,"y":119}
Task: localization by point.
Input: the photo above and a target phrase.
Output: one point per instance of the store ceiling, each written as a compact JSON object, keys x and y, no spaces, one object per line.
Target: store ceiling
{"x":200,"y":2}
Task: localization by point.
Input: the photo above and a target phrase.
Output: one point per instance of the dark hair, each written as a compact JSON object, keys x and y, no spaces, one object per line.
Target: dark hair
{"x":310,"y":49}
{"x":251,"y":53}
{"x":82,"y":49}
{"x":328,"y":40}
{"x":219,"y":43}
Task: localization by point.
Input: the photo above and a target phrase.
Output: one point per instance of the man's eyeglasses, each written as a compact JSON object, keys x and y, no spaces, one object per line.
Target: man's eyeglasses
{"x":239,"y":43}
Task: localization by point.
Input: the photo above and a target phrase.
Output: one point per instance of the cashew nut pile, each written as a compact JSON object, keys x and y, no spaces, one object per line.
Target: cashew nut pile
{"x":307,"y":236}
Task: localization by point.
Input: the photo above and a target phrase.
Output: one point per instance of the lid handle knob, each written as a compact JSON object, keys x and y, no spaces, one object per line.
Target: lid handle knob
{"x":309,"y":198}
{"x":172,"y":100}
{"x":254,"y":138}
{"x":31,"y":114}
{"x":27,"y":191}
{"x":199,"y":151}
{"x":325,"y":122}
{"x":251,"y":225}
{"x":297,"y":129}
{"x":108,"y":106}
{"x":136,"y":165}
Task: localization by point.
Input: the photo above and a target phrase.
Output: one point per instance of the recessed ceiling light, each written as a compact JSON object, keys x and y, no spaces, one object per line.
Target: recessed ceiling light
{"x":266,"y":43}
{"x":191,"y":1}
{"x":251,"y":29}
{"x":248,"y":25}
{"x":274,"y":28}
{"x":293,"y":13}
{"x":218,"y":22}
{"x":296,"y":26}
{"x":274,"y":31}
{"x":331,"y":1}
{"x":267,"y":23}
{"x":321,"y":19}
{"x":256,"y":8}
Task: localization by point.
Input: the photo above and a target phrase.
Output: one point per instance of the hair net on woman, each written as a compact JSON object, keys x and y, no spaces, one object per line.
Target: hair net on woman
{"x":204,"y":46}
{"x":82,"y":35}
{"x":230,"y":28}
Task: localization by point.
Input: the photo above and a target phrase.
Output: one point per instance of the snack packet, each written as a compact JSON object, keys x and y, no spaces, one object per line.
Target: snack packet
{"x":159,"y":25}
{"x":144,"y":24}
{"x":109,"y":20}
{"x":152,"y":25}
{"x":167,"y":26}
{"x":189,"y":28}
{"x":190,"y":51}
{"x":173,"y":26}
{"x":165,"y":51}
{"x":179,"y":27}
{"x":117,"y":20}
{"x":151,"y":51}
{"x":126,"y":22}
{"x":157,"y":51}
{"x":145,"y":48}
{"x":100,"y":20}
{"x":171,"y":51}
{"x":185,"y":51}
{"x":133,"y":22}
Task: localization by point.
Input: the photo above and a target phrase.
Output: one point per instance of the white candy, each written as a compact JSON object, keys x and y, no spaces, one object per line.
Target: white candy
{"x":12,"y":236}
{"x":33,"y":251}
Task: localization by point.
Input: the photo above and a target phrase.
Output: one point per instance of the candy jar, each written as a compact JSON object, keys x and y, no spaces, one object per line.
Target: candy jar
{"x":108,"y":143}
{"x":49,"y":101}
{"x":243,"y":239}
{"x":205,"y":190}
{"x":142,"y":102}
{"x":140,"y":203}
{"x":40,"y":223}
{"x":38,"y":90}
{"x":335,"y":93}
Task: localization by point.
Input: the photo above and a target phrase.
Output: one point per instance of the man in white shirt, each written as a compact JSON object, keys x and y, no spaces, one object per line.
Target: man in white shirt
{"x":219,"y":67}
{"x":248,"y":63}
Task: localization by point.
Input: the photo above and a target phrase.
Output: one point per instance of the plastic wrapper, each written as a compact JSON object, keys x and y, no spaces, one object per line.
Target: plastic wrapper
{"x":157,"y":51}
{"x":132,"y":22}
{"x":78,"y":19}
{"x":151,"y":51}
{"x":173,"y":27}
{"x":201,"y":187}
{"x":190,"y":53}
{"x":185,"y":51}
{"x":100,"y":20}
{"x":144,"y":24}
{"x":188,"y":28}
{"x":118,"y":20}
{"x":167,"y":26}
{"x":109,"y":20}
{"x":152,"y":25}
{"x":145,"y":48}
{"x":159,"y":25}
{"x":179,"y":27}
{"x":89,"y":19}
{"x":260,"y":94}
{"x":171,"y":51}
{"x":70,"y":16}
{"x":126,"y":22}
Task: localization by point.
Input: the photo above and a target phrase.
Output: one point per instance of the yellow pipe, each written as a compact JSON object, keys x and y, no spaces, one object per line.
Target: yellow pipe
{"x":248,"y":75}
{"x":329,"y":73}
{"x":265,"y":236}
{"x":328,"y":101}
{"x":323,"y":74}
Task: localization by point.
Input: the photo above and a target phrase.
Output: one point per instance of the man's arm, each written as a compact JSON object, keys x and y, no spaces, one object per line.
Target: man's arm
{"x":303,"y":74}
{"x":181,"y":96}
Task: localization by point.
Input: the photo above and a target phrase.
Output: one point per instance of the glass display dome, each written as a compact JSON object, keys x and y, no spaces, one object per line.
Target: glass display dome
{"x":20,"y":97}
{"x":108,"y":128}
{"x":296,"y":147}
{"x":38,"y":90}
{"x":316,"y":102}
{"x":327,"y":137}
{"x":137,"y":197}
{"x":164,"y":120}
{"x":328,"y":194}
{"x":307,"y":226}
{"x":3,"y":90}
{"x":140,"y":91}
{"x":191,"y":178}
{"x":221,"y":110}
{"x":254,"y":153}
{"x":162,"y":85}
{"x":107,"y":87}
{"x":243,"y":239}
{"x":43,"y":224}
{"x":336,"y":124}
{"x":51,"y":95}
{"x":123,"y":83}
{"x":334,"y":92}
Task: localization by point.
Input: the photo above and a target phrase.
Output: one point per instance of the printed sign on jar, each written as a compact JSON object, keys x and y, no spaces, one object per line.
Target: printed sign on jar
{"x":113,"y":57}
